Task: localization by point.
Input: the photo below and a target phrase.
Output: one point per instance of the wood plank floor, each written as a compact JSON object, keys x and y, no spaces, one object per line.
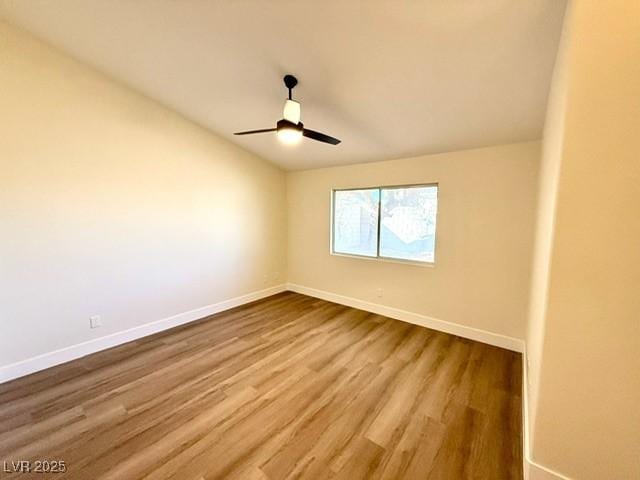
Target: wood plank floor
{"x":287,"y":387}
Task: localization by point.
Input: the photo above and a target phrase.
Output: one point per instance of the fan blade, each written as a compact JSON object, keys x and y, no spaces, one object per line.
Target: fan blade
{"x":251,"y":132}
{"x":321,"y":137}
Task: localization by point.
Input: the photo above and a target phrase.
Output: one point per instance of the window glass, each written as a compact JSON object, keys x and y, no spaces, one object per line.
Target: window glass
{"x":408,"y":223}
{"x":355,"y":221}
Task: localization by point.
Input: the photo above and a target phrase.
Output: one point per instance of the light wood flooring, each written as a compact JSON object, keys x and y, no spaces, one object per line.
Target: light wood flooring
{"x":286,"y":387}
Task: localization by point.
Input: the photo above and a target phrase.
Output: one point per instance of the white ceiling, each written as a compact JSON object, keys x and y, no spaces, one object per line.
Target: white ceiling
{"x":390,"y":78}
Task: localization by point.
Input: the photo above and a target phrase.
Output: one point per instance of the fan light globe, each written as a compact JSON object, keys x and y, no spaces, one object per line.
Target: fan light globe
{"x":289,"y":135}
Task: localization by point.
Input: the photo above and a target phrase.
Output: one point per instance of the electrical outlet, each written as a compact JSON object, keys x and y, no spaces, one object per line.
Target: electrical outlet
{"x":379,"y":293}
{"x":276,"y":275}
{"x":95,"y":321}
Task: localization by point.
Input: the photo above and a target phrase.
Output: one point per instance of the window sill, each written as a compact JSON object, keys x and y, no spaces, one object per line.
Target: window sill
{"x":386,"y":260}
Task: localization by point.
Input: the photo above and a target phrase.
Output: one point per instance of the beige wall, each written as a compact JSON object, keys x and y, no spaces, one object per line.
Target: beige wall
{"x":587,"y":415}
{"x":545,"y":221}
{"x":484,"y":237}
{"x":113,"y":205}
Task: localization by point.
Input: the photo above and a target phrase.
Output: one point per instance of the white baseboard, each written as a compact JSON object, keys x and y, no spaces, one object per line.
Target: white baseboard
{"x":532,"y":469}
{"x":50,"y":359}
{"x":539,"y":472}
{"x":495,"y":339}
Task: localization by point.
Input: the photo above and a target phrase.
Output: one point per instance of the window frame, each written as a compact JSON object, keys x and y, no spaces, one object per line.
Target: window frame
{"x":378,"y":257}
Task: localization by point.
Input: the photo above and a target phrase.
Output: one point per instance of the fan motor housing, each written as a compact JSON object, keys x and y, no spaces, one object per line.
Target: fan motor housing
{"x":286,"y":124}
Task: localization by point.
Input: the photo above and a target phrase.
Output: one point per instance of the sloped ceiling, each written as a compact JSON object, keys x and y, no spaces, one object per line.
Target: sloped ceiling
{"x":390,"y":78}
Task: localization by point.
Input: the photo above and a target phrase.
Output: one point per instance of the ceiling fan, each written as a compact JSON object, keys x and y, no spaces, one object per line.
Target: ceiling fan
{"x":290,"y":129}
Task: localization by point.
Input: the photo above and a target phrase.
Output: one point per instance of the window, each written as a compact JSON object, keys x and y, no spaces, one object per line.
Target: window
{"x":386,"y":222}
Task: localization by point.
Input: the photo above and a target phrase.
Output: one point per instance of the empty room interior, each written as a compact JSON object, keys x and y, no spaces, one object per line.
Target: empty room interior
{"x":264,"y":240}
